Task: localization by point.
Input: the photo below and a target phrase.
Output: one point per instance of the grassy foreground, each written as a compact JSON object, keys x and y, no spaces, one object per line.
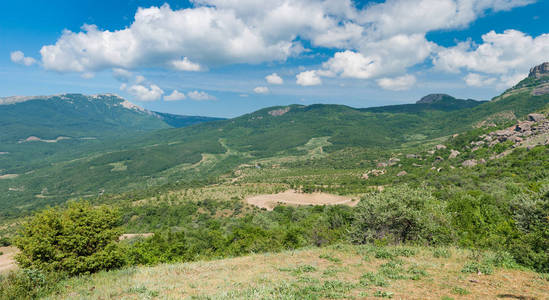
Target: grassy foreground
{"x":341,"y":271}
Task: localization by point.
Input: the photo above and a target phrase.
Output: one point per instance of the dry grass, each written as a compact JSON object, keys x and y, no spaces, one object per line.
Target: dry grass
{"x":7,"y":261}
{"x":333,"y":272}
{"x":292,"y":197}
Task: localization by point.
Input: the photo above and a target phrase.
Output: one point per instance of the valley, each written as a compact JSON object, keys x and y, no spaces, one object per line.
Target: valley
{"x":342,"y":202}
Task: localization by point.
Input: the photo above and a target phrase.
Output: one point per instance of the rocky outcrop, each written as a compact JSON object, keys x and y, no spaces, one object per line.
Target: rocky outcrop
{"x":469,"y":163}
{"x":542,"y":89}
{"x":440,"y":147}
{"x":279,"y":112}
{"x":536,"y":117}
{"x":393,"y":161}
{"x":432,"y":98}
{"x":453,"y":154}
{"x":373,"y":172}
{"x":540,"y":71}
{"x":401,"y":173}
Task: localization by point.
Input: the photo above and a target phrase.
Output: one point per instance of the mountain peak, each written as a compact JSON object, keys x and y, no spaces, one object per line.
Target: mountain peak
{"x":432,"y":98}
{"x":540,"y":70}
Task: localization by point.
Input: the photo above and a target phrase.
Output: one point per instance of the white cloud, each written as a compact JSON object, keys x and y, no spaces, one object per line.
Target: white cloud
{"x":420,"y":16}
{"x":160,"y":36}
{"x":380,"y":58}
{"x":377,"y":40}
{"x":261,"y":90}
{"x":308,"y":78}
{"x":19,"y":57}
{"x":274,"y":79}
{"x":87,"y":75}
{"x":186,"y":65}
{"x":121,"y":74}
{"x":506,"y":55}
{"x":477,"y":80}
{"x":200,"y":96}
{"x":398,"y":83}
{"x":139,"y":79}
{"x":144,"y":93}
{"x":175,"y":96}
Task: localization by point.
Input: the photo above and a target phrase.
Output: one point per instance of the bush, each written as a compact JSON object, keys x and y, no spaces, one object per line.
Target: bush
{"x":401,"y":214}
{"x":4,"y":242}
{"x":79,"y":239}
{"x":26,"y":284}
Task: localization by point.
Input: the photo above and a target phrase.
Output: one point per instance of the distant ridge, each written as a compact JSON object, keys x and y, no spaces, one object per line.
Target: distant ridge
{"x":432,"y":98}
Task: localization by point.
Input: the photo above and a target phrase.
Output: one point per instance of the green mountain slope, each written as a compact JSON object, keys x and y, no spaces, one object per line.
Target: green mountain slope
{"x":37,"y":131}
{"x":73,"y":116}
{"x":206,"y":151}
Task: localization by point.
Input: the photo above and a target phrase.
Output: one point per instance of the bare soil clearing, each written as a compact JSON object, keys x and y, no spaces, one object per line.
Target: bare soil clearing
{"x":7,"y":261}
{"x":130,"y":236}
{"x":292,"y":197}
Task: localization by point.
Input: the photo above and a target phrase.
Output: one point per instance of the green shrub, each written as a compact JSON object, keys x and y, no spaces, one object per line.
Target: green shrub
{"x":401,"y":214}
{"x":4,"y":242}
{"x":475,"y":267}
{"x":76,"y":240}
{"x":442,"y":253}
{"x":26,"y":284}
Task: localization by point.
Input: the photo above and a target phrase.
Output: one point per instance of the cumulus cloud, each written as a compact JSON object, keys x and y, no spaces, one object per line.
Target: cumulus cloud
{"x":200,"y":96}
{"x":139,"y":79}
{"x":19,"y":57}
{"x":400,"y":83}
{"x":186,"y":65}
{"x":308,"y":78}
{"x":121,"y":74}
{"x":160,"y":36}
{"x":380,"y":58}
{"x":274,"y":79}
{"x":375,"y":41}
{"x":477,"y":80}
{"x":87,"y":75}
{"x":506,"y":55}
{"x":175,"y":96}
{"x":152,"y":92}
{"x":261,"y":90}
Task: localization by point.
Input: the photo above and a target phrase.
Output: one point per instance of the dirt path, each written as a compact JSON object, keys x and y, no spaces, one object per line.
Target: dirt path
{"x":291,"y":197}
{"x":7,"y":261}
{"x":130,"y":236}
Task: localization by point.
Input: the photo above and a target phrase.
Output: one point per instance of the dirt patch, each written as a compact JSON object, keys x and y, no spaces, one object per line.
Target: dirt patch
{"x":130,"y":236}
{"x":7,"y":261}
{"x":37,"y":139}
{"x":9,"y":176}
{"x":292,"y":197}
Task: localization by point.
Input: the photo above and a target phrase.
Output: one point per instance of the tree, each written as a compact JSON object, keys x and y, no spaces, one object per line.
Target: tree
{"x":77,"y":240}
{"x":400,"y":214}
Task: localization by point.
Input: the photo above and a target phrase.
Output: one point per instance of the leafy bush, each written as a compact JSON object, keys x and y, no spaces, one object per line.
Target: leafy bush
{"x":26,"y":284}
{"x":79,"y":239}
{"x":401,"y":214}
{"x":4,"y":242}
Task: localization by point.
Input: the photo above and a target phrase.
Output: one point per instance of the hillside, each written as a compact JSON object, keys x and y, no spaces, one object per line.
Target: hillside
{"x":356,"y":272}
{"x":203,"y":152}
{"x":38,"y":131}
{"x":463,"y":191}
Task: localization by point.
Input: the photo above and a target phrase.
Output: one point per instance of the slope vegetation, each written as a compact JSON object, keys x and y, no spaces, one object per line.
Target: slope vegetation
{"x":355,"y":272}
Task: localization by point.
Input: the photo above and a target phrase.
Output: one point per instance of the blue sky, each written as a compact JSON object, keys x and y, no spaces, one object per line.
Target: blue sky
{"x":216,"y":54}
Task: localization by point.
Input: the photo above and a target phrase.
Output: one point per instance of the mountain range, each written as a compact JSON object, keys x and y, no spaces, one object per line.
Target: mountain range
{"x":69,"y":146}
